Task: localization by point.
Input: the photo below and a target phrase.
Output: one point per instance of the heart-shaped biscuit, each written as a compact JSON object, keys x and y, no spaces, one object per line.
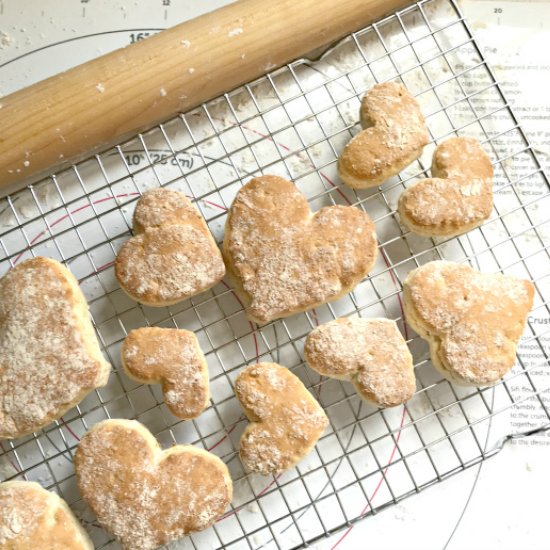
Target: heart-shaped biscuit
{"x":284,"y":259}
{"x":394,"y":134}
{"x":472,"y":320}
{"x":32,"y":518}
{"x":371,"y":353}
{"x":49,"y":355}
{"x":286,"y":421}
{"x":173,"y":358}
{"x":144,"y":496}
{"x":459,"y":196}
{"x":172,"y":255}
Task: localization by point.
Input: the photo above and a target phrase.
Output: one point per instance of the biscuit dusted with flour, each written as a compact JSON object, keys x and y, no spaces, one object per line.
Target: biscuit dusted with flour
{"x":32,"y":518}
{"x":285,"y":419}
{"x":370,"y":353}
{"x":283,"y":259}
{"x":459,"y":196}
{"x":144,"y":496}
{"x":172,"y":255}
{"x":173,"y":358}
{"x":394,"y":134}
{"x":49,"y":355}
{"x":472,"y":321}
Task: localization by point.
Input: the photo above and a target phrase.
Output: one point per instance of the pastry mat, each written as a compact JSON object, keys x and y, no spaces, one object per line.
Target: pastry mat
{"x":293,"y":122}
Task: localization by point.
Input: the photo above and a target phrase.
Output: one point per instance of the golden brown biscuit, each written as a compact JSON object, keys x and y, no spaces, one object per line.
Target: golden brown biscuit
{"x":173,"y":358}
{"x":371,"y":353}
{"x":49,"y":355}
{"x":471,"y":320}
{"x":394,"y":134}
{"x":459,"y":196}
{"x":144,"y":496}
{"x":172,"y":255}
{"x":283,"y":259}
{"x":286,"y":421}
{"x":32,"y":518}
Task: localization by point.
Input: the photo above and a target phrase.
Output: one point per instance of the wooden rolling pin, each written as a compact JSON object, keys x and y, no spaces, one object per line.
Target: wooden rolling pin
{"x":97,"y":104}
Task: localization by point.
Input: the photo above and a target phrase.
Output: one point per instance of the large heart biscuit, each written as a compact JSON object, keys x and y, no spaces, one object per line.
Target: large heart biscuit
{"x":32,"y":518}
{"x":371,"y":353}
{"x":394,"y":134}
{"x":144,"y":496}
{"x":284,"y":259}
{"x":459,"y":196}
{"x":472,"y":320}
{"x":172,"y":255}
{"x":173,"y":358}
{"x":49,"y":355}
{"x":285,"y":419}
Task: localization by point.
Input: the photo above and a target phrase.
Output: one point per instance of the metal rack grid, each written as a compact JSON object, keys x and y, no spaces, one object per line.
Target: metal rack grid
{"x":293,"y":122}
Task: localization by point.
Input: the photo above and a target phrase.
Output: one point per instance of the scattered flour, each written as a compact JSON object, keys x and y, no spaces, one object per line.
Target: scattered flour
{"x":5,"y":40}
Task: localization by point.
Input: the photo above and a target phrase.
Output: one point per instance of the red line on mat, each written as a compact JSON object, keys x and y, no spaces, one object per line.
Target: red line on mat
{"x":227,"y":433}
{"x":69,"y":429}
{"x":394,"y":280}
{"x":103,"y":267}
{"x":382,"y":477}
{"x":65,"y":216}
{"x":392,"y":275}
{"x":249,"y":322}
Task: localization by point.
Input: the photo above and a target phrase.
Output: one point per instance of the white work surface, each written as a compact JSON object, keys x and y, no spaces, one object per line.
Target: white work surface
{"x":500,"y":504}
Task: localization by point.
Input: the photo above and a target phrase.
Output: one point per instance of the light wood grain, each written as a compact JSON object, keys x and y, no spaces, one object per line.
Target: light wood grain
{"x":99,"y":103}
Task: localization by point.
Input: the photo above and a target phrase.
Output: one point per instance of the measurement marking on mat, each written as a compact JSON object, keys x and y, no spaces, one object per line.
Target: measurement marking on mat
{"x":135,"y":158}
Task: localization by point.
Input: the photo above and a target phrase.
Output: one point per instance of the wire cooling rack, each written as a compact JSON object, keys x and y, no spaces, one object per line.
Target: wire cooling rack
{"x":294,"y":122}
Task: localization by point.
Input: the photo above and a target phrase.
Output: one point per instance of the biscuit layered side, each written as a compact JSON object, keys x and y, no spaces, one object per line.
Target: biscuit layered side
{"x":393,"y":136}
{"x":459,"y":195}
{"x":471,"y":320}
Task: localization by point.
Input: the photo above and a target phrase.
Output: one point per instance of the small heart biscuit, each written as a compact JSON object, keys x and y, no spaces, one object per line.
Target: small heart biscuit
{"x":283,"y":259}
{"x":172,"y":255}
{"x":144,"y":496}
{"x":49,"y":355}
{"x":173,"y":358}
{"x":371,"y":353}
{"x":394,"y":134}
{"x":286,"y":421}
{"x":32,"y":518}
{"x":471,"y":320}
{"x":459,"y":196}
